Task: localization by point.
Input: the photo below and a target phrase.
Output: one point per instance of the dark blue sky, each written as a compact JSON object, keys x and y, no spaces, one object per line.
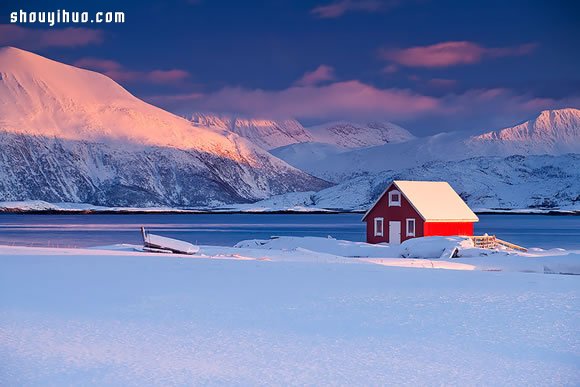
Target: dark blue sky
{"x":477,"y":65}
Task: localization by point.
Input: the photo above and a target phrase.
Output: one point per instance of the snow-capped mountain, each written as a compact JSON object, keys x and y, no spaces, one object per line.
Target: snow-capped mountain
{"x":69,"y":134}
{"x":552,"y":132}
{"x":514,"y":182}
{"x":359,"y":135}
{"x":267,"y":134}
{"x":271,"y":134}
{"x":333,"y":139}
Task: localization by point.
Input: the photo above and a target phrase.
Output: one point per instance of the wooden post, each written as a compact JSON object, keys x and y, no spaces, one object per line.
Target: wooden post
{"x":144,"y":235}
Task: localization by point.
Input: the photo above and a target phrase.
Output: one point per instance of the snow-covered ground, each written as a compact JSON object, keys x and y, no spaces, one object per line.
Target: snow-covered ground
{"x":290,"y":311}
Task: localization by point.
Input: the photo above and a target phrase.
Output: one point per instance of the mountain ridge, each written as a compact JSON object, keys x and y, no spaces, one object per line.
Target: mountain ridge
{"x":42,"y":100}
{"x":451,"y":146}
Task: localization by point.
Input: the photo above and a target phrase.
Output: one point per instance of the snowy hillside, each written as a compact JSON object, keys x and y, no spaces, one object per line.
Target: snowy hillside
{"x":71,"y":135}
{"x":514,"y":182}
{"x":56,"y":170}
{"x":553,"y":132}
{"x":335,"y":166}
{"x":267,"y":134}
{"x":305,"y":155}
{"x":359,"y":135}
{"x":271,"y":134}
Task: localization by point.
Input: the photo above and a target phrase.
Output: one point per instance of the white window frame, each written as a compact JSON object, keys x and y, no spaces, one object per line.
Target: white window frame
{"x":393,"y":203}
{"x":407,"y":232}
{"x":376,"y":231}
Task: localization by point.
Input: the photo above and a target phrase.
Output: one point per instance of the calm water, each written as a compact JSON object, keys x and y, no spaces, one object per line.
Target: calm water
{"x":227,"y":229}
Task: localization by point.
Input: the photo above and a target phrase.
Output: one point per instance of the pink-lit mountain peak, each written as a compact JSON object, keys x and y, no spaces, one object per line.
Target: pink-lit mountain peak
{"x":561,"y":125}
{"x":43,"y":97}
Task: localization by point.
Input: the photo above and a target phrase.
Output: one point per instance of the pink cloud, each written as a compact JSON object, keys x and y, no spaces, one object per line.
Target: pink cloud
{"x":450,"y":54}
{"x":13,"y":35}
{"x":116,"y":71}
{"x":98,"y":64}
{"x":354,"y":100}
{"x":321,"y":74}
{"x":170,"y":98}
{"x":122,"y":75}
{"x":337,"y":100}
{"x":167,"y":76}
{"x":500,"y":102}
{"x":339,"y":8}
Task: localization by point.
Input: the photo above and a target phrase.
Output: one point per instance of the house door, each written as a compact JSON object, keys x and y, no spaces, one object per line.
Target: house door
{"x":395,"y":232}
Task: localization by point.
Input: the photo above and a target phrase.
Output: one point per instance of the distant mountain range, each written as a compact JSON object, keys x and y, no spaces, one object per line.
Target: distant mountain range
{"x":272,"y":134}
{"x":73,"y":135}
{"x":485,"y":182}
{"x":267,"y":134}
{"x":553,"y":132}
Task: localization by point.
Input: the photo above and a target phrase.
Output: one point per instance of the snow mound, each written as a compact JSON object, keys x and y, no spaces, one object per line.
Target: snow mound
{"x":328,"y":245}
{"x":433,"y":247}
{"x":425,"y":253}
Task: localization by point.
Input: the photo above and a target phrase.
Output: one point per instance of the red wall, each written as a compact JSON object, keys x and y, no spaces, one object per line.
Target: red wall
{"x":448,"y":228}
{"x":401,"y":214}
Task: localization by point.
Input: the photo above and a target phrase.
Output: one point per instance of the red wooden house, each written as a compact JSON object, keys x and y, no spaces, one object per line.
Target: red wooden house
{"x":409,"y":209}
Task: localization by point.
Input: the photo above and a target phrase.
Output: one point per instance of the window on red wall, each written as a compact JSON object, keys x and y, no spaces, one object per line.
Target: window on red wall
{"x":379,"y":226}
{"x":410,"y":227}
{"x":394,"y":198}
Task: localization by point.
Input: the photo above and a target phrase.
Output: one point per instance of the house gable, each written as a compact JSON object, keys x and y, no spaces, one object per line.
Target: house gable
{"x":400,"y":213}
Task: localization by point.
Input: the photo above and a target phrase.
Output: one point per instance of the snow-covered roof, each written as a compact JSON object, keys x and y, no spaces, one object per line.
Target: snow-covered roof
{"x":435,"y":201}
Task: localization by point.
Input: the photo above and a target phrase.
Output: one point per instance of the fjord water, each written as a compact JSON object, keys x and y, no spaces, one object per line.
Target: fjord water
{"x":88,"y":230}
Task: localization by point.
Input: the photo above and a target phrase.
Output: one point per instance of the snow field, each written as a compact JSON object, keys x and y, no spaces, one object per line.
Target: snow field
{"x":283,"y":311}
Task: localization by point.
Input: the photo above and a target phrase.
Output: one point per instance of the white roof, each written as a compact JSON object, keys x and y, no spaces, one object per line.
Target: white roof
{"x":435,"y":201}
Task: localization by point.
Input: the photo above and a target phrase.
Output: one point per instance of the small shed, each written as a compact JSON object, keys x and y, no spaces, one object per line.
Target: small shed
{"x":410,"y":209}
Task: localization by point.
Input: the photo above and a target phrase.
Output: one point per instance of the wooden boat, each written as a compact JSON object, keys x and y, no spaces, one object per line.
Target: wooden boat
{"x":159,"y":244}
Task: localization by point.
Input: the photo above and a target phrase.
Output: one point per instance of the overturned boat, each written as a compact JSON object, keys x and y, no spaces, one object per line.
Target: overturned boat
{"x":159,"y":244}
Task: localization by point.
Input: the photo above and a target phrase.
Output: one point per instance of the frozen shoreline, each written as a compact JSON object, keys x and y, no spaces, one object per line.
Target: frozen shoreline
{"x":419,"y":253}
{"x":40,"y":207}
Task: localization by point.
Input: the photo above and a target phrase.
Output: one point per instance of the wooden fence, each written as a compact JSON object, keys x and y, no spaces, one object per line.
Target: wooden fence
{"x":492,"y":242}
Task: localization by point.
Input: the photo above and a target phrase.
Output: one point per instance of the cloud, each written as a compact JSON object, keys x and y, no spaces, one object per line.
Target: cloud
{"x":98,"y":64}
{"x":339,"y":8}
{"x":448,"y":54}
{"x":475,"y":109}
{"x":486,"y":109}
{"x":13,"y":35}
{"x":167,"y":76}
{"x":116,"y":71}
{"x":321,"y":74}
{"x":337,"y":100}
{"x":172,"y":98}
